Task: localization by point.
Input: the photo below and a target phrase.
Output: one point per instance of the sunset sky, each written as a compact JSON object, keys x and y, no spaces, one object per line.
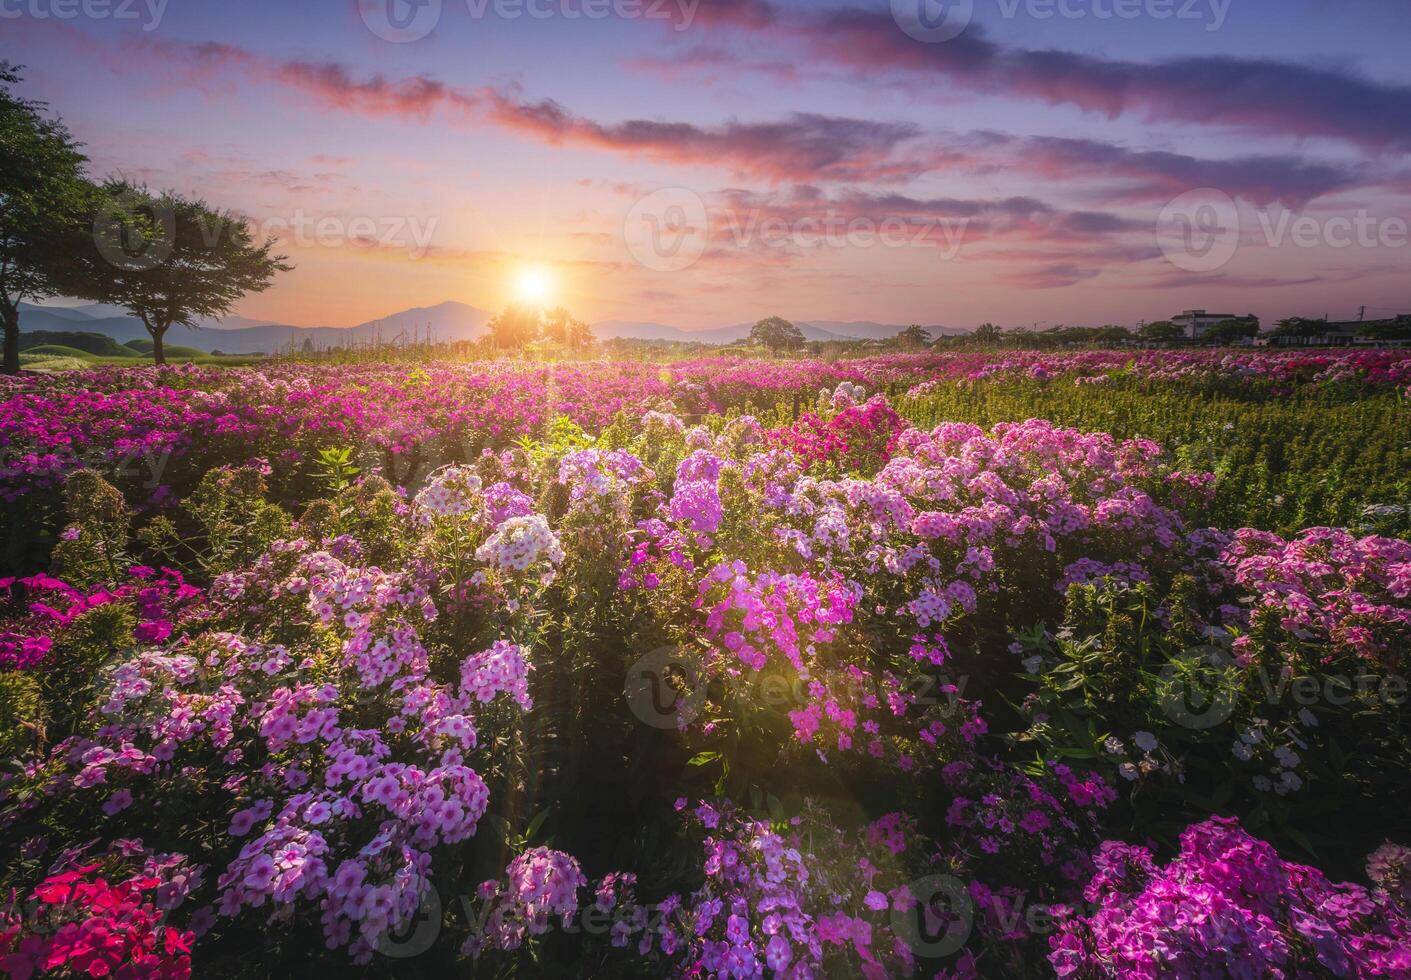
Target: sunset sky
{"x":1014,"y":172}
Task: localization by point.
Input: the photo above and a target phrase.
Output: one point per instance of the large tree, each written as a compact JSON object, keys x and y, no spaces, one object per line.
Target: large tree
{"x":43,"y":199}
{"x":516,"y":325}
{"x":173,"y":260}
{"x":1229,"y":331}
{"x":913,"y":337}
{"x":776,"y":333}
{"x":1160,"y":332}
{"x":987,"y":334}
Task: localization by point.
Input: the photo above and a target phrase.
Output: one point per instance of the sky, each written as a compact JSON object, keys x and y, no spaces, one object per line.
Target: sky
{"x":708,"y":162}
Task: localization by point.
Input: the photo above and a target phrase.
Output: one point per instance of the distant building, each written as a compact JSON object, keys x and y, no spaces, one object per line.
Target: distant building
{"x":1195,"y":324}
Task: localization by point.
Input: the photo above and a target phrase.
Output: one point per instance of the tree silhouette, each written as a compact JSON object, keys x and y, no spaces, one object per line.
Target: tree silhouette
{"x":1228,"y":331}
{"x":1160,"y":332}
{"x":171,"y":259}
{"x":515,"y":326}
{"x":987,"y":333}
{"x":914,"y":336}
{"x":560,"y":327}
{"x":1395,"y":329}
{"x":43,"y":199}
{"x":1298,"y":327}
{"x":776,"y":333}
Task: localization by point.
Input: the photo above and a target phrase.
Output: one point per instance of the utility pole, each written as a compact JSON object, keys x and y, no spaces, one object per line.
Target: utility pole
{"x":1361,"y":313}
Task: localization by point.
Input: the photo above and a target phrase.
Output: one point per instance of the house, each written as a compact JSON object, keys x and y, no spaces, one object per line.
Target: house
{"x":1195,"y":324}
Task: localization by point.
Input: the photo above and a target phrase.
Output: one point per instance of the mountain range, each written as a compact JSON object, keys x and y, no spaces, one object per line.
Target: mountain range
{"x":449,"y":321}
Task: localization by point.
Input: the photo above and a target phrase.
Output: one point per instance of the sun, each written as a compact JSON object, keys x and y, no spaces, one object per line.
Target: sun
{"x":534,"y":285}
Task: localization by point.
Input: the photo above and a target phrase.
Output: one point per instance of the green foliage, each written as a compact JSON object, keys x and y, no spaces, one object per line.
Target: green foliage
{"x":913,"y":337}
{"x":367,"y":510}
{"x":57,"y":350}
{"x":334,"y":468}
{"x":1128,"y":661}
{"x":561,"y":327}
{"x":1161,"y":331}
{"x":72,"y":675}
{"x":94,"y":547}
{"x":236,"y":522}
{"x":76,"y":342}
{"x":141,"y":346}
{"x":561,"y":435}
{"x":43,"y":199}
{"x":1230,"y":331}
{"x":1319,"y":457}
{"x":21,"y":713}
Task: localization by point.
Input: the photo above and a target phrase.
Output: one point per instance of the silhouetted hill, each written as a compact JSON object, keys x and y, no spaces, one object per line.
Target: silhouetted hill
{"x":449,"y":321}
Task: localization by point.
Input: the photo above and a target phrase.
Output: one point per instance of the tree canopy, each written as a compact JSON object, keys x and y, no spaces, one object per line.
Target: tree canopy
{"x":1159,"y":332}
{"x":561,"y":327}
{"x":515,"y":326}
{"x":914,"y":336}
{"x":172,"y":259}
{"x":44,"y":196}
{"x":1229,"y":331}
{"x":776,"y":333}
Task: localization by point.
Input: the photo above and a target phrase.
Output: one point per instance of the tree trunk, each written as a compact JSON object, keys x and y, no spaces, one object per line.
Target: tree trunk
{"x":10,"y":317}
{"x":158,"y":357}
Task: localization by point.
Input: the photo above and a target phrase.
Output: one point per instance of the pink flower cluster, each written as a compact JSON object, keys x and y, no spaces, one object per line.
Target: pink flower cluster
{"x":344,"y":796}
{"x":765,"y":615}
{"x":801,"y":903}
{"x":85,"y":925}
{"x":1335,"y":593}
{"x":159,"y":599}
{"x":695,"y":499}
{"x":539,"y":884}
{"x":859,"y":437}
{"x":113,"y":418}
{"x":1227,"y":905}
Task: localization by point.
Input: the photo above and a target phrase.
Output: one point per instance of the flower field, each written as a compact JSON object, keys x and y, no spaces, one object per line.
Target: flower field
{"x":947,"y":665}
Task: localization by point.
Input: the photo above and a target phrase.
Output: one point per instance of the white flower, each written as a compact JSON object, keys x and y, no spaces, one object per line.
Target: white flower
{"x":1145,"y":741}
{"x":1127,"y":771}
{"x":454,"y":491}
{"x":519,"y":543}
{"x":1114,"y":745}
{"x":1032,"y":664}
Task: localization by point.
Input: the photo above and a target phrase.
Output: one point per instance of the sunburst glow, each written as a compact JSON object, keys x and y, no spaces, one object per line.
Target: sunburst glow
{"x":534,"y":285}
